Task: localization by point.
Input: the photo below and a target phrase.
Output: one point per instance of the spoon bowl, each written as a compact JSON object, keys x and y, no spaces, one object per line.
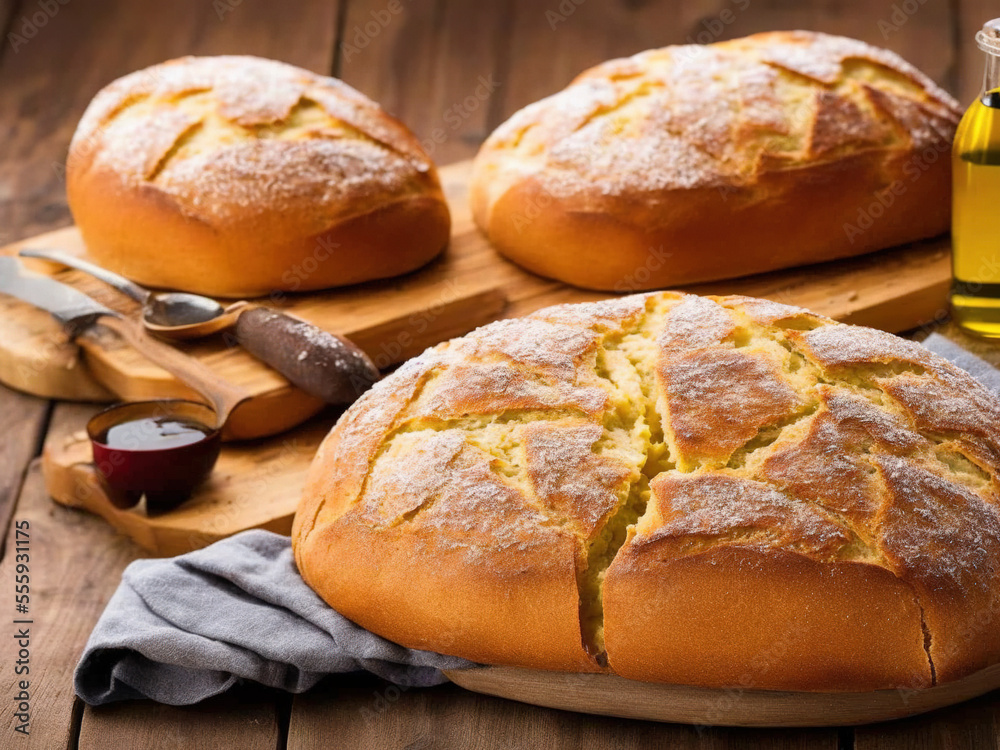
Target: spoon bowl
{"x":179,"y":316}
{"x":171,"y":315}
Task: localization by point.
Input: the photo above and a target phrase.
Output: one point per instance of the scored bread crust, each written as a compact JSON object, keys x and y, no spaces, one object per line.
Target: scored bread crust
{"x":699,"y":162}
{"x":714,"y":491}
{"x":239,"y":176}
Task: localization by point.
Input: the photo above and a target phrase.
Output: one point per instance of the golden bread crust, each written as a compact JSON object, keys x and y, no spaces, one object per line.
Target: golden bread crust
{"x":716,"y":491}
{"x":238,"y":176}
{"x":699,"y":162}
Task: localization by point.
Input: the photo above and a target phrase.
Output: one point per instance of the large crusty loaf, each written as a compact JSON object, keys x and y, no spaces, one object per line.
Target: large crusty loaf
{"x":239,"y":176}
{"x":694,"y":490}
{"x":692,"y":163}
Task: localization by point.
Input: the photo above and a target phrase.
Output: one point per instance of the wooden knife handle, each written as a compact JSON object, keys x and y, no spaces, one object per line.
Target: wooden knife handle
{"x":321,"y":363}
{"x":221,"y":394}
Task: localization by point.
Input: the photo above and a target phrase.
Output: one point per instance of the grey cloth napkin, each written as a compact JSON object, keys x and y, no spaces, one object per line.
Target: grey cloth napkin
{"x":182,"y":629}
{"x":978,"y":368}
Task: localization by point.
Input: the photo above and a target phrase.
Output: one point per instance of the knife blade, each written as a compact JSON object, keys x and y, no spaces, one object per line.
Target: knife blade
{"x":73,"y":309}
{"x":77,"y":312}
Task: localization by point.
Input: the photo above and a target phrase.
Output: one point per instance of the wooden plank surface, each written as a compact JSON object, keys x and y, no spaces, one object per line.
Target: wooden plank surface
{"x":970,"y":725}
{"x":45,"y":86}
{"x":433,"y":58}
{"x":23,"y":420}
{"x":365,"y":712}
{"x":435,"y":65}
{"x":74,"y":566}
{"x":245,"y":718}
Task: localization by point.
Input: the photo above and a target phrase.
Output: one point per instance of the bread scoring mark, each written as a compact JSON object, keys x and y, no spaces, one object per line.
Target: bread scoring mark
{"x":834,"y":477}
{"x":333,"y":138}
{"x":673,"y":118}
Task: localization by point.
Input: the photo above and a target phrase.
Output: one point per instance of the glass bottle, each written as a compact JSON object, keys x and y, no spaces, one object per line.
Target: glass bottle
{"x":975,"y":220}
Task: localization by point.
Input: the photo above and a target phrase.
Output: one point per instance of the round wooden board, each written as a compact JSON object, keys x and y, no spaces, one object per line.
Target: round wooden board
{"x":611,"y":695}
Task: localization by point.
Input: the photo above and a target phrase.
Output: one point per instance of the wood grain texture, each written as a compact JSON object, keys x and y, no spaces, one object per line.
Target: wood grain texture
{"x":551,"y":42}
{"x":22,"y":422}
{"x":434,"y":65}
{"x":45,"y":88}
{"x":354,"y":711}
{"x":244,"y":718}
{"x":75,"y":564}
{"x":970,"y":725}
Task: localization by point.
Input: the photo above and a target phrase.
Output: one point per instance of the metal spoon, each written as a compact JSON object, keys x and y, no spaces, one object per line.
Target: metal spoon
{"x":173,"y":315}
{"x":321,"y":363}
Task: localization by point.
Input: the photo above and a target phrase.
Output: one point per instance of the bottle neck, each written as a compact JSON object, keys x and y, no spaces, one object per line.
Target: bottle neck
{"x":991,"y":81}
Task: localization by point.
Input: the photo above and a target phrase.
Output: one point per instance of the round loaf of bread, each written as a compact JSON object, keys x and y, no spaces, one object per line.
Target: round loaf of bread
{"x":238,"y":176}
{"x":692,"y":163}
{"x":712,"y":491}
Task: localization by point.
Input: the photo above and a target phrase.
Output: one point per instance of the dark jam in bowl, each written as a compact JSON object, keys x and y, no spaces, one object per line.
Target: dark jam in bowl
{"x":160,"y":449}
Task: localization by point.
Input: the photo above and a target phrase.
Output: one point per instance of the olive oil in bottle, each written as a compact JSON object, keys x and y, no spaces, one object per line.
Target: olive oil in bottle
{"x":975,"y":221}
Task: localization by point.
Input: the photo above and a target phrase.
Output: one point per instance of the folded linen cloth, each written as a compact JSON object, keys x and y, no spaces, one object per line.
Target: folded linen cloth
{"x":182,"y":629}
{"x":978,"y":368}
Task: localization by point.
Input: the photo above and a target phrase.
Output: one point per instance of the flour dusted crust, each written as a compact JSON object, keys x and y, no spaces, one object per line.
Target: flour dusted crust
{"x":699,"y":162}
{"x":715,"y":491}
{"x":238,"y":175}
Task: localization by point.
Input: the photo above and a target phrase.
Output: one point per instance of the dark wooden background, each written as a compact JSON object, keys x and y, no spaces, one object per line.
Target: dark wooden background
{"x":430,"y":62}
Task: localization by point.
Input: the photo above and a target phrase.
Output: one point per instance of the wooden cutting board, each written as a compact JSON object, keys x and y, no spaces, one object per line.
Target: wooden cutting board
{"x":257,"y":485}
{"x":611,"y":695}
{"x":395,"y":319}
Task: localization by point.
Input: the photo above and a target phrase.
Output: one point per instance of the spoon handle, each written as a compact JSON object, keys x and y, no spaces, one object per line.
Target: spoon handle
{"x":120,"y":283}
{"x":223,"y":396}
{"x":321,"y":363}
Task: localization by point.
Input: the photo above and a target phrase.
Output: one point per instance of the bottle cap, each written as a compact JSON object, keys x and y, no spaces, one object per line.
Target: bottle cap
{"x":989,"y":38}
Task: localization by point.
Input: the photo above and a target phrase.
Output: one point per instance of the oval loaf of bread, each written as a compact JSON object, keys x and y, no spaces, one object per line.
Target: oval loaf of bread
{"x":237,"y":176}
{"x":692,"y":163}
{"x":694,"y":490}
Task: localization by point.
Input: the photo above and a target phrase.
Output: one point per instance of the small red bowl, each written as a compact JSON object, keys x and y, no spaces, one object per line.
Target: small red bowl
{"x":133,"y":457}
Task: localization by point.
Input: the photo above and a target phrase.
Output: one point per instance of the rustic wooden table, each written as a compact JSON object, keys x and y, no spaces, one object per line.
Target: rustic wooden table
{"x":452,"y":70}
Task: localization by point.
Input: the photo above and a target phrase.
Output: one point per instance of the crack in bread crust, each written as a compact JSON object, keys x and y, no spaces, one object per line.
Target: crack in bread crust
{"x":844,"y":471}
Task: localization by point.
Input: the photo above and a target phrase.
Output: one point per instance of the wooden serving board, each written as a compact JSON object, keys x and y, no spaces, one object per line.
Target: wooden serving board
{"x":395,"y":319}
{"x":895,"y":290}
{"x":611,"y":695}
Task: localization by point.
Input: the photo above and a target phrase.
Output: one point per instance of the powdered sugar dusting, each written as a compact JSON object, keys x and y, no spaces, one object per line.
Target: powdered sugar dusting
{"x":569,"y":478}
{"x":694,"y":116}
{"x":715,"y":505}
{"x":937,"y":533}
{"x":524,"y":441}
{"x":221,"y":134}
